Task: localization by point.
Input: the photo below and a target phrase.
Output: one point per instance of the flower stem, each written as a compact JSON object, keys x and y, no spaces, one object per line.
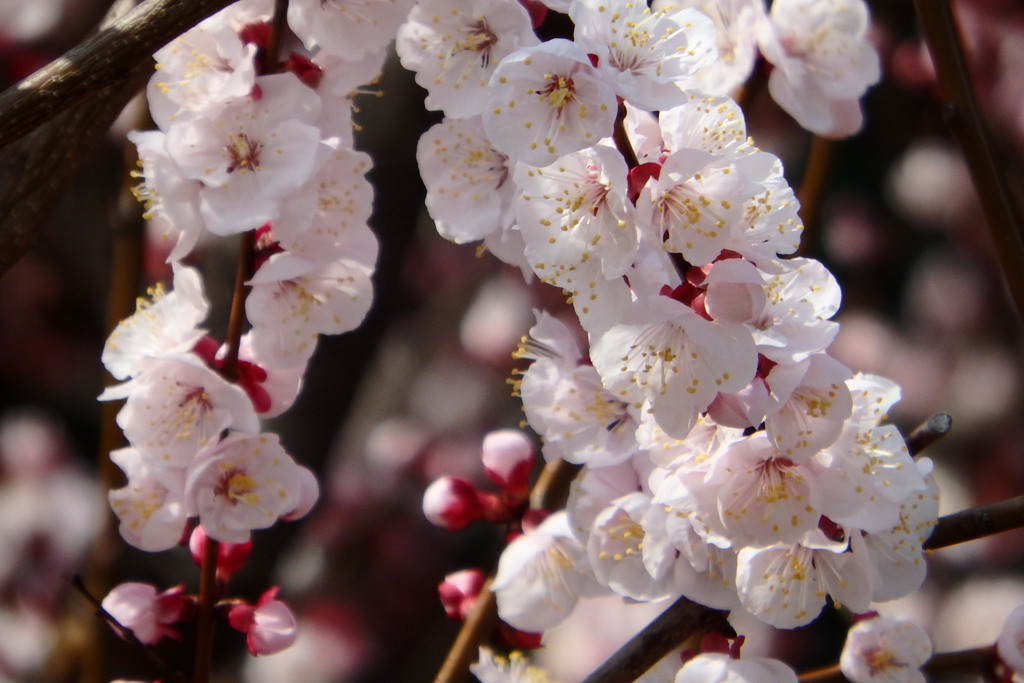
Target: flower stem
{"x":964,"y":119}
{"x":236,"y":321}
{"x":812,"y":189}
{"x":204,"y":613}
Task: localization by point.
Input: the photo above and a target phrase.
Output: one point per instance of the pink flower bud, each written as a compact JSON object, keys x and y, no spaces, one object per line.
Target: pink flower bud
{"x":508,"y":457}
{"x":269,"y":627}
{"x":451,"y":503}
{"x":230,"y":556}
{"x":138,"y":607}
{"x":459,"y":592}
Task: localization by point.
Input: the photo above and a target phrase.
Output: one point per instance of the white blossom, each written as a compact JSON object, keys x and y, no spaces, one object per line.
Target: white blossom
{"x":547,"y":101}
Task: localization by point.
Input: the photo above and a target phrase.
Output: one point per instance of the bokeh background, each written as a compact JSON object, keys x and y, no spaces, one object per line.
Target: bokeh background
{"x":409,"y":395}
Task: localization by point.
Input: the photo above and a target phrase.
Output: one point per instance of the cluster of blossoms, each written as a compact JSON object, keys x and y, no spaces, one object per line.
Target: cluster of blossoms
{"x":243,"y":146}
{"x":726,"y":456}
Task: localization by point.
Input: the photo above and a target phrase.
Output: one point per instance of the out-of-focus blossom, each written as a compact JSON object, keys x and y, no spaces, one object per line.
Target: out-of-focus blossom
{"x":148,"y":614}
{"x":347,"y":28}
{"x":885,"y":650}
{"x":1010,"y":644}
{"x":714,"y":667}
{"x":269,"y":627}
{"x":823,"y":62}
{"x":329,"y":647}
{"x":516,"y":668}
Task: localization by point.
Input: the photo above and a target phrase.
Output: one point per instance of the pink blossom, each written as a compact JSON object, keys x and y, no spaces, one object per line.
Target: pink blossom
{"x":453,"y":46}
{"x":246,"y":483}
{"x":149,"y":615}
{"x":269,"y":627}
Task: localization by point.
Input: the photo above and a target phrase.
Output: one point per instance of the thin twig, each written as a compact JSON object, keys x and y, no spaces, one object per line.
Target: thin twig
{"x":125,"y":633}
{"x":977,"y":522}
{"x":964,"y":119}
{"x":104,"y":59}
{"x":937,"y":426}
{"x":208,"y":595}
{"x":817,"y":172}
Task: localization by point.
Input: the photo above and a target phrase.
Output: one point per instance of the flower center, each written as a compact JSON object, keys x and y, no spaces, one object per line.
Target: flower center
{"x":243,"y":153}
{"x":236,"y":486}
{"x":559,"y":91}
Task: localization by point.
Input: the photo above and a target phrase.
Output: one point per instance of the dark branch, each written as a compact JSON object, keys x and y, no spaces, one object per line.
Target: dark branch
{"x":965,"y":123}
{"x":682,"y":620}
{"x":937,"y":426}
{"x":104,"y":60}
{"x":977,"y":522}
{"x":51,"y":121}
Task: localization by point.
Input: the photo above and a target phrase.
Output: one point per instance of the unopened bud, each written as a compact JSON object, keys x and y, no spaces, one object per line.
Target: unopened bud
{"x":451,"y":503}
{"x":230,"y":556}
{"x":508,"y":457}
{"x":459,"y":591}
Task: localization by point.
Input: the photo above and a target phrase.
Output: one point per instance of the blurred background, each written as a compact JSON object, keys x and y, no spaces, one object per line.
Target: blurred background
{"x":409,"y":395}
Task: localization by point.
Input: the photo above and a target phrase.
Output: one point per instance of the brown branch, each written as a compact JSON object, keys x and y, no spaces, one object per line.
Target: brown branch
{"x":682,"y":620}
{"x":51,"y":122}
{"x":208,"y":595}
{"x":961,"y":661}
{"x":817,"y":172}
{"x":977,"y":522}
{"x":104,"y":60}
{"x":964,"y":119}
{"x":552,"y":487}
{"x":477,"y":626}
